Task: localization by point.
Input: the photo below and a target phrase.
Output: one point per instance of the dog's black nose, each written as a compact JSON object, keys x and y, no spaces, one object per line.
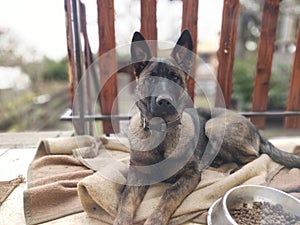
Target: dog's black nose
{"x":164,"y":101}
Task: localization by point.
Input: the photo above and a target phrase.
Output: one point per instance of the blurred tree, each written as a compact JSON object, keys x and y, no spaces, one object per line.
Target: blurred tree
{"x":34,"y":70}
{"x":9,"y":45}
{"x":243,"y":82}
{"x":249,"y":25}
{"x":279,"y":86}
{"x":14,"y":53}
{"x":55,"y":70}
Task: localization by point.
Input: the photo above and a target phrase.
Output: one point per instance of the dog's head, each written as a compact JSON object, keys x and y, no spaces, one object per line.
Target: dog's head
{"x":161,"y":83}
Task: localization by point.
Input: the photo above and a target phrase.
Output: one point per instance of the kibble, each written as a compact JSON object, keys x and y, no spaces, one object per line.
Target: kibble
{"x":263,"y":213}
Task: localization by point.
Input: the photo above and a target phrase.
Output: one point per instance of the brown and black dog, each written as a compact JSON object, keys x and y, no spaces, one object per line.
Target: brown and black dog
{"x":168,"y":140}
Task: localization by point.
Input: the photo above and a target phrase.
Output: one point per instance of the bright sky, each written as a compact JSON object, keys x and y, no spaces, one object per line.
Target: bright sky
{"x":41,"y":23}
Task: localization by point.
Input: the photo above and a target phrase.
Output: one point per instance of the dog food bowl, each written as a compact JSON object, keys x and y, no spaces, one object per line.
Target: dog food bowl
{"x":219,"y":212}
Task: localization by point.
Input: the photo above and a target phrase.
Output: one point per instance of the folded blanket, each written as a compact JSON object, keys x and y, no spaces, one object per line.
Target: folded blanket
{"x":100,"y":192}
{"x":63,"y":145}
{"x":287,"y":179}
{"x":53,"y":178}
{"x":54,"y":174}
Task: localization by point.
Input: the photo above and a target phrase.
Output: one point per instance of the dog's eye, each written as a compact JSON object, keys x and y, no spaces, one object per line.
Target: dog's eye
{"x":175,"y":79}
{"x":173,"y":76}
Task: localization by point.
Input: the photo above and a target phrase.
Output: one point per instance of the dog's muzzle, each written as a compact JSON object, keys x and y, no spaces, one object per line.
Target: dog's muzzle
{"x":163,"y":106}
{"x":164,"y":101}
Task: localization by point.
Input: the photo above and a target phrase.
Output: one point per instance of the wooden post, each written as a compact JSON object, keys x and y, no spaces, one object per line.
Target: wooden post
{"x":293,"y":103}
{"x":70,"y":46}
{"x":264,"y":59}
{"x":148,"y":23}
{"x":87,"y":62}
{"x":80,"y":100}
{"x":226,"y":52}
{"x":108,"y":63}
{"x":189,"y":21}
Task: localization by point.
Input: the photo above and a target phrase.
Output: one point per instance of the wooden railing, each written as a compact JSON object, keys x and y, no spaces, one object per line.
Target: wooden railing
{"x":226,"y":56}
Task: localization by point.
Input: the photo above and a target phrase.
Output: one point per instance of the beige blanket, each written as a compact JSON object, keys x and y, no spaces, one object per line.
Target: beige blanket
{"x":52,"y":180}
{"x":56,"y":178}
{"x":99,"y":193}
{"x":54,"y":174}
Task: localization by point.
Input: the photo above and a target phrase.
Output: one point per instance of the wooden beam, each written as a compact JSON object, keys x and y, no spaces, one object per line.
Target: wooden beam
{"x":148,"y":23}
{"x":70,"y":48}
{"x":293,"y":103}
{"x":79,"y":101}
{"x":190,"y":21}
{"x":226,"y":52}
{"x":87,"y":62}
{"x":264,"y":59}
{"x":108,"y":63}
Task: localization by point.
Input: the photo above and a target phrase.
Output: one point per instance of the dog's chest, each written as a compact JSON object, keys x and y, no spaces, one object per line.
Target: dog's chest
{"x":174,"y":143}
{"x":170,"y":143}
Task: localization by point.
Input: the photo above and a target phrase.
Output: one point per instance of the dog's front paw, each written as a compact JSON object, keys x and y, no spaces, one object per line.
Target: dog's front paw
{"x":123,"y":221}
{"x":152,"y":220}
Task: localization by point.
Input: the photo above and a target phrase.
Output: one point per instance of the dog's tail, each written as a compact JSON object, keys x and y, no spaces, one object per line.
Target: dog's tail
{"x":284,"y":158}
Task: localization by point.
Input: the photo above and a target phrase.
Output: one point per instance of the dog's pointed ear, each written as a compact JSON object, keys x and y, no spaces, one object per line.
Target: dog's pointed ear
{"x":183,"y":51}
{"x":140,"y":53}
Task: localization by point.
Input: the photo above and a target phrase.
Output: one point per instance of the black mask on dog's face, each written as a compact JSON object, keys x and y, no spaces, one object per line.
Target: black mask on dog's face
{"x":162,"y":89}
{"x":161,"y":85}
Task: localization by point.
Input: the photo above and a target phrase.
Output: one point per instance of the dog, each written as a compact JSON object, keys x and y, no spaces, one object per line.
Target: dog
{"x":168,"y":140}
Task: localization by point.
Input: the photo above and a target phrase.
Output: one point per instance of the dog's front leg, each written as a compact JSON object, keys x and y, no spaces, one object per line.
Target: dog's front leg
{"x":173,"y":197}
{"x":130,"y":199}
